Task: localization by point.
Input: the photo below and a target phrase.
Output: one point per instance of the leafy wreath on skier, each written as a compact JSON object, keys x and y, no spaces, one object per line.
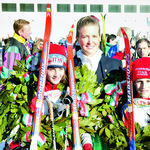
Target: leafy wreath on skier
{"x":13,"y":107}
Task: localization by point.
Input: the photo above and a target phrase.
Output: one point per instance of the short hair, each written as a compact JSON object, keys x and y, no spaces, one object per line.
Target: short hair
{"x":86,"y":21}
{"x":142,"y":40}
{"x":111,"y":36}
{"x":18,"y":24}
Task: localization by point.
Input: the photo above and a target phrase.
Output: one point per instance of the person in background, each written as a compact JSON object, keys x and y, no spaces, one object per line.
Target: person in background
{"x":143,"y":48}
{"x":132,"y":47}
{"x":16,"y":47}
{"x":111,"y":40}
{"x":121,"y":50}
{"x":61,"y":42}
{"x":112,"y":51}
{"x":141,"y":95}
{"x":38,"y":45}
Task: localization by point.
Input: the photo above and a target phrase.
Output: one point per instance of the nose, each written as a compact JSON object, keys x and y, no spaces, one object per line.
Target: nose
{"x":144,"y":84}
{"x":56,"y":72}
{"x":89,"y":39}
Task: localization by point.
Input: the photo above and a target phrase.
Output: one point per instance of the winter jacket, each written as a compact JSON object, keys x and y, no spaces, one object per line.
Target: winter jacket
{"x":14,"y":50}
{"x":106,"y":65}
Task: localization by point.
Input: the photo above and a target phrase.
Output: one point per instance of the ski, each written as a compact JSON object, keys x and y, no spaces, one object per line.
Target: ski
{"x":103,"y":38}
{"x":41,"y":81}
{"x":72,"y":85}
{"x":131,"y":127}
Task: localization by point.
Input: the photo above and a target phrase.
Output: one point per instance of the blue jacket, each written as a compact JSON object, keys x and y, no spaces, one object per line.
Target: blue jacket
{"x":112,"y":51}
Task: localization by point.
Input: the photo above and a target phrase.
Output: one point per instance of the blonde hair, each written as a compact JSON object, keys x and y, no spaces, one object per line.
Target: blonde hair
{"x":127,"y":30}
{"x":86,"y":21}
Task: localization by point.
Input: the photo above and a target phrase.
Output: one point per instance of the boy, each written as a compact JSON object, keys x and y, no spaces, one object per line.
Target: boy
{"x":141,"y":81}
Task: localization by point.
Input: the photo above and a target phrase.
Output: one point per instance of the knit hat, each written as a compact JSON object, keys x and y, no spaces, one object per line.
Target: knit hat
{"x":141,"y":68}
{"x":57,"y":56}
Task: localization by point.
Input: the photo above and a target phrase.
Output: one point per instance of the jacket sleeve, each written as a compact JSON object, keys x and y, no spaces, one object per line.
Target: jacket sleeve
{"x":9,"y":60}
{"x":124,"y":114}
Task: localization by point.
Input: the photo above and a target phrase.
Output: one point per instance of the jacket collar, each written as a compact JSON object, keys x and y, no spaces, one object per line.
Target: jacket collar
{"x":18,"y":38}
{"x":49,"y":86}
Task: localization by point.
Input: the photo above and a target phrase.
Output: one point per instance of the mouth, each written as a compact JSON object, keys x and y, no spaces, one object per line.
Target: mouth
{"x":144,"y":91}
{"x":90,"y":47}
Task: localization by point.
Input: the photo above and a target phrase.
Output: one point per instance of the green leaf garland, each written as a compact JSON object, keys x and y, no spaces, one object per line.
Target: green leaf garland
{"x":17,"y":95}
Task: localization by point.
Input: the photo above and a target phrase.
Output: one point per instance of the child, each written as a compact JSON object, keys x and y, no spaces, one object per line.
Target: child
{"x":88,"y":36}
{"x":141,"y":81}
{"x":55,"y":75}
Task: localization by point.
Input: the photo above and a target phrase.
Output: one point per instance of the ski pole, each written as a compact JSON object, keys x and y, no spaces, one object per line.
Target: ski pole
{"x":51,"y":115}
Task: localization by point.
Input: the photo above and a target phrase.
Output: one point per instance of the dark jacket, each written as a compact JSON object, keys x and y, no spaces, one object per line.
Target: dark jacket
{"x":106,"y":65}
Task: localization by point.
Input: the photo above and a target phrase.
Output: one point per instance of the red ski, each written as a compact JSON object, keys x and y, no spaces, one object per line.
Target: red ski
{"x":131,"y":128}
{"x":41,"y":81}
{"x":72,"y":85}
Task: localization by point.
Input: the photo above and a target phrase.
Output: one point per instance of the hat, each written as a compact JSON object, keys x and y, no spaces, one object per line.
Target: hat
{"x":62,"y":41}
{"x":57,"y":56}
{"x":141,"y":68}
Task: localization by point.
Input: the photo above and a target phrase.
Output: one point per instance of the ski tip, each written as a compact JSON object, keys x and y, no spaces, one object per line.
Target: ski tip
{"x":123,"y":31}
{"x":48,"y":7}
{"x":72,"y":26}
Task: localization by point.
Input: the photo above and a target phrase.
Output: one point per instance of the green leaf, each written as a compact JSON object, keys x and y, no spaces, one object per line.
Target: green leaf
{"x":23,"y":110}
{"x":101,"y":131}
{"x":24,"y":89}
{"x":17,"y":89}
{"x":9,"y":86}
{"x":14,"y":131}
{"x":104,"y":113}
{"x":107,"y":132}
{"x":57,"y":128}
{"x":88,"y":130}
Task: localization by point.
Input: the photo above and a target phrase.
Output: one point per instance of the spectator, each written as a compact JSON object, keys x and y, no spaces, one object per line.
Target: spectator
{"x":61,"y":42}
{"x":121,"y":50}
{"x":143,"y":47}
{"x":114,"y":49}
{"x":38,"y":45}
{"x":16,"y":47}
{"x":111,"y":40}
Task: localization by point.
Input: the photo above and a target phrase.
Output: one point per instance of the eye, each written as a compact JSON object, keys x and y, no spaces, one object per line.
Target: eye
{"x":84,"y":36}
{"x":61,"y":68}
{"x":148,"y":81}
{"x":95,"y":36}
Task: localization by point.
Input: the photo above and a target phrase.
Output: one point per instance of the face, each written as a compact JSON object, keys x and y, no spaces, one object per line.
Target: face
{"x":54,"y":75}
{"x":25,"y":32}
{"x":143,"y":87}
{"x":89,"y":39}
{"x":40,"y":45}
{"x":143,"y":49}
{"x":113,"y":42}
